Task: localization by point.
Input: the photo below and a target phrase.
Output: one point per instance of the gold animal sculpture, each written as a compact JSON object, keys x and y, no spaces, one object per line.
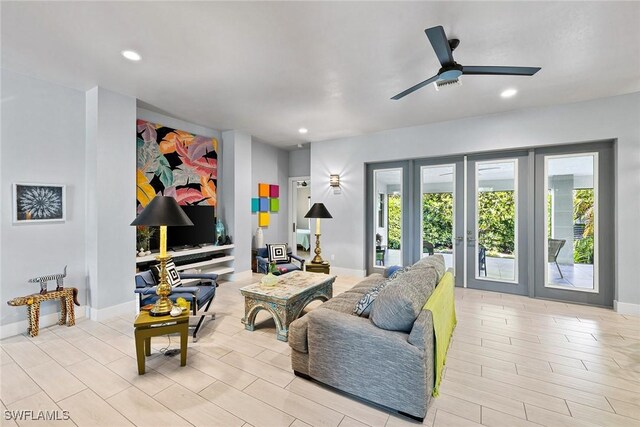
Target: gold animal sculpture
{"x":67,"y":296}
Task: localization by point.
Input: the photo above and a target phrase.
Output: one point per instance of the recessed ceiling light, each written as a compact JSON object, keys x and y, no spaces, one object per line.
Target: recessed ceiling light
{"x":131,"y":55}
{"x":508,"y":93}
{"x":303,"y":130}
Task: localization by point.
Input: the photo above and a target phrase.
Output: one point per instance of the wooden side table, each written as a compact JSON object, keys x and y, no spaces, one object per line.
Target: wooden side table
{"x":147,"y":326}
{"x":318,"y":268}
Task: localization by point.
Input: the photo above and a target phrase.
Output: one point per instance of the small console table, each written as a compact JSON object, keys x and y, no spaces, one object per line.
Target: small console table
{"x":147,"y":326}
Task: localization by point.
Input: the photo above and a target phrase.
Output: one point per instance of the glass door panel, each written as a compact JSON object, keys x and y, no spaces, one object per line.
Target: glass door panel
{"x":571,"y":219}
{"x":388,"y":217}
{"x":438,"y":226}
{"x":496,"y":218}
{"x":575,"y":223}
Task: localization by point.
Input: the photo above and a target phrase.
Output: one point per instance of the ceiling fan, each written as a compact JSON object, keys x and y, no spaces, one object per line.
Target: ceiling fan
{"x":451,"y":70}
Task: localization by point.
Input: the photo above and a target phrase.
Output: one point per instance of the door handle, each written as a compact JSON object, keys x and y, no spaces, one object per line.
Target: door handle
{"x":459,"y":239}
{"x":294,"y":227}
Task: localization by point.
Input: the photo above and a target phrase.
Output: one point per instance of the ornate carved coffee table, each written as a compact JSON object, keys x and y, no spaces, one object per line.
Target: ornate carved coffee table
{"x":286,"y":300}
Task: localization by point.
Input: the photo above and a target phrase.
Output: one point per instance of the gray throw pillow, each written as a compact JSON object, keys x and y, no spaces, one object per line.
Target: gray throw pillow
{"x":399,"y":303}
{"x":433,"y":261}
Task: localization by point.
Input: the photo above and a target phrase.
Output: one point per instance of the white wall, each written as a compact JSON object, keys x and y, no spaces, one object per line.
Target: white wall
{"x":43,"y":137}
{"x":609,"y":118}
{"x":300,"y":162}
{"x":270,"y":165}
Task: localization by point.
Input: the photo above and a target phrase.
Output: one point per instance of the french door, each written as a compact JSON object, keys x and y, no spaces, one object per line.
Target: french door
{"x":417,"y":208}
{"x":389,"y":222}
{"x":439,"y":214}
{"x":575,"y":225}
{"x":414,"y":210}
{"x":497,"y":219}
{"x":538,"y":222}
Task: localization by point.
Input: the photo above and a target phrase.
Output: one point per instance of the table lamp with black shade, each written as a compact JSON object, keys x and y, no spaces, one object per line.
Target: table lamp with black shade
{"x":318,"y":211}
{"x":161,"y":212}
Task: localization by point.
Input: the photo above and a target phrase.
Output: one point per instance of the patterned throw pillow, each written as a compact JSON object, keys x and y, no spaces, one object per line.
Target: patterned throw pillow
{"x":363,"y":307}
{"x":278,"y":253}
{"x":173,"y":277}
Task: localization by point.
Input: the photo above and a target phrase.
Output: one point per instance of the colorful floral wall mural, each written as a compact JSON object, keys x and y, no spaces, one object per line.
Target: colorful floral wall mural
{"x":175,"y":163}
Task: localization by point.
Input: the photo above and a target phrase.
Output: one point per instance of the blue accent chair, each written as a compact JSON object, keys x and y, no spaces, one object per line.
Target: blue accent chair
{"x":262,"y":261}
{"x":199,"y":295}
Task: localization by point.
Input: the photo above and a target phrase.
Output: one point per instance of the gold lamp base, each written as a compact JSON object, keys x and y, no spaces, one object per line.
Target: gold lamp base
{"x":317,"y":259}
{"x":163,"y":305}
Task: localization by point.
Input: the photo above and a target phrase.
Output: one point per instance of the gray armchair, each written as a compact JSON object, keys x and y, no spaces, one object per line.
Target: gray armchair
{"x":262,"y":261}
{"x":200,"y":295}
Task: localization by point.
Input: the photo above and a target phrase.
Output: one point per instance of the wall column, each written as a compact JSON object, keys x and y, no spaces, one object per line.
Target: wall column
{"x":235,"y":205}
{"x":110,"y":165}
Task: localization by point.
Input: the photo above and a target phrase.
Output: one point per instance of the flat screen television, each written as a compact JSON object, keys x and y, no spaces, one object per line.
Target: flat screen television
{"x":203,"y":231}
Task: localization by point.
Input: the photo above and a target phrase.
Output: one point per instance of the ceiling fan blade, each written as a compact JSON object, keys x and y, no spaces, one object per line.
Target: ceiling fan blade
{"x":416,"y":87}
{"x":499,"y":71}
{"x":440,"y":44}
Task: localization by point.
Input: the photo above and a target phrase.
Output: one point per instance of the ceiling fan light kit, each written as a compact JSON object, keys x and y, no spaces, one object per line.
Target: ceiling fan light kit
{"x":449,"y":74}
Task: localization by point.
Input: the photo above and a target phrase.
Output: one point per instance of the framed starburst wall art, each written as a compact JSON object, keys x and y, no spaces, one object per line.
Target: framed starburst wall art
{"x":34,"y":203}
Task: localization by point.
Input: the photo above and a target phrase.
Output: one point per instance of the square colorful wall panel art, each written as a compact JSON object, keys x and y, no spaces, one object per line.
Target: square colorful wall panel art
{"x":266,"y":202}
{"x":263,"y":190}
{"x":263,"y":219}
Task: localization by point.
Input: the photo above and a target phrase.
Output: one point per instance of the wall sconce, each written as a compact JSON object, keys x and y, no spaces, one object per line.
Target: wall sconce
{"x":334,"y":182}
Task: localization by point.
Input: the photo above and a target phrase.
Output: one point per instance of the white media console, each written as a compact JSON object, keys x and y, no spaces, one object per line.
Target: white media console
{"x":208,"y":259}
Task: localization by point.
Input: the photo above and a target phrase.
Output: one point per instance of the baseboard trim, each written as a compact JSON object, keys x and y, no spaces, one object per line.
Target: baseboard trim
{"x":126,"y":308}
{"x":340,"y":271}
{"x":20,"y":327}
{"x":626,"y":308}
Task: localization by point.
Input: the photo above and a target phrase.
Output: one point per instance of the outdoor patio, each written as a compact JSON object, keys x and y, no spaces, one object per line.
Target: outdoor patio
{"x":575,"y":276}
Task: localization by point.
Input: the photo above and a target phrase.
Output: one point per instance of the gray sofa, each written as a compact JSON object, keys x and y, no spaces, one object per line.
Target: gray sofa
{"x":392,"y":368}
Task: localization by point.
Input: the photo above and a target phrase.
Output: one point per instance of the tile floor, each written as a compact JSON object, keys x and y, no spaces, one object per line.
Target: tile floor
{"x":514,"y":361}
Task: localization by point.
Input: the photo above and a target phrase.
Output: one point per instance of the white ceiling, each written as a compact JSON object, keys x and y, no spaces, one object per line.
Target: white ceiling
{"x":269,"y":68}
